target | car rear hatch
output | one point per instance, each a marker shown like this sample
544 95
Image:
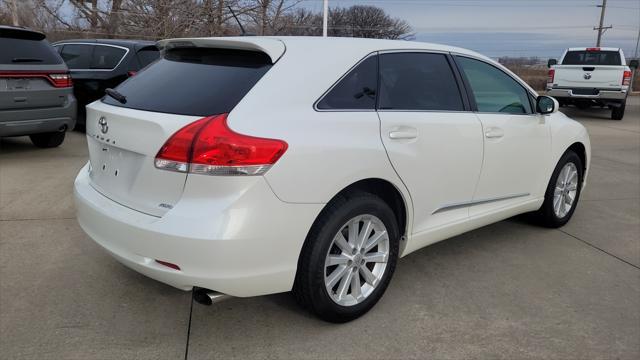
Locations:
188 83
590 69
32 74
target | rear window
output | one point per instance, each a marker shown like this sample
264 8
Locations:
26 51
106 57
148 55
194 81
584 57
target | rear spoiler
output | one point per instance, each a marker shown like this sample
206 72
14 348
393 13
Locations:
274 48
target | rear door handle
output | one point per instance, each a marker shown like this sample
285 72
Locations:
494 133
403 132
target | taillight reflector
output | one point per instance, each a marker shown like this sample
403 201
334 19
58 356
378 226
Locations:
626 78
168 264
208 146
551 75
57 79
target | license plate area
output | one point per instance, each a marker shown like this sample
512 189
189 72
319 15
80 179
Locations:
18 84
113 170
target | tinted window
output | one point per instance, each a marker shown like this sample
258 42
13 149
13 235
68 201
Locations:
106 57
417 81
148 55
592 58
194 81
357 90
494 91
77 56
24 51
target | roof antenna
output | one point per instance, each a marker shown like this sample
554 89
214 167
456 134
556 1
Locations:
238 21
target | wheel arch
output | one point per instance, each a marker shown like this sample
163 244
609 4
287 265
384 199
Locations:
581 151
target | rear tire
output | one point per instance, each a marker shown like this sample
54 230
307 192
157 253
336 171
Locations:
318 286
617 113
565 183
48 140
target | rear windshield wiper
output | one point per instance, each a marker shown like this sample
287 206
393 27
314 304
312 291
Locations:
116 95
23 60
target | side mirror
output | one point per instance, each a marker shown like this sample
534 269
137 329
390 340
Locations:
551 62
633 64
546 105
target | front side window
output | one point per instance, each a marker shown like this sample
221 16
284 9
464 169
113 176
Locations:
494 90
418 81
106 57
356 91
77 56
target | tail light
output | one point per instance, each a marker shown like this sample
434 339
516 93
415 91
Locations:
57 79
626 78
61 80
207 146
593 49
551 75
131 73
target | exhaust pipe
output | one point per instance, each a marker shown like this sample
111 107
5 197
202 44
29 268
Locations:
208 297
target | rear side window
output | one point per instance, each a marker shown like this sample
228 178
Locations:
77 56
356 91
27 51
148 55
194 81
418 81
106 57
592 58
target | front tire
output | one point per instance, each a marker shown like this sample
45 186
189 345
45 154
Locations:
48 140
563 192
348 258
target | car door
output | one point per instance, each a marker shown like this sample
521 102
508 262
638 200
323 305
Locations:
432 139
517 141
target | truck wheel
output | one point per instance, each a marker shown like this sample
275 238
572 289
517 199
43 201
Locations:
48 140
617 113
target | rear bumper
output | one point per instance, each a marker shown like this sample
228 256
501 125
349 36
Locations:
244 244
34 121
602 94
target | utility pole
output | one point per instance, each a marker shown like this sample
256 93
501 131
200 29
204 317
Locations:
14 12
601 29
325 18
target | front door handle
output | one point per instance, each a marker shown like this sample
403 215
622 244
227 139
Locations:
403 132
493 133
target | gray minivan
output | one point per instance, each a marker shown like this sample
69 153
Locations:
36 91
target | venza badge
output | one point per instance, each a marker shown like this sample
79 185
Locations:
104 127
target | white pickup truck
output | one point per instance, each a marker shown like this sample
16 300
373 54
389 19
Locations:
588 77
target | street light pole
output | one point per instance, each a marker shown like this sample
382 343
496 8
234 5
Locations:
325 18
600 28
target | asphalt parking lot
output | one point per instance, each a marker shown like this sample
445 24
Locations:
510 290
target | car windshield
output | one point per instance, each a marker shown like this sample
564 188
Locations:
586 57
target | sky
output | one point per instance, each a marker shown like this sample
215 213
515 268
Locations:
495 28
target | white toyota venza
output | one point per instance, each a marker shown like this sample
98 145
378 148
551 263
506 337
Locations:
257 165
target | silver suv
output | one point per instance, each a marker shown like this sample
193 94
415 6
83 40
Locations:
36 92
